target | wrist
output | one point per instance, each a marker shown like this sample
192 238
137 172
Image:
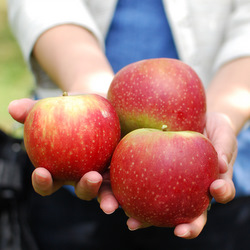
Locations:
95 84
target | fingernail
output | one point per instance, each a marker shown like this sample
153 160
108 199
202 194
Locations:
40 178
11 104
108 212
93 181
224 158
14 102
184 235
220 185
41 175
132 224
133 229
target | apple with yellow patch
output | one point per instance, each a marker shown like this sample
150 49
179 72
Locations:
71 135
153 92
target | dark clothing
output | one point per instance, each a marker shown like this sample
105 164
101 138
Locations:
64 222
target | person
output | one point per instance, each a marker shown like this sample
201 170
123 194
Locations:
65 50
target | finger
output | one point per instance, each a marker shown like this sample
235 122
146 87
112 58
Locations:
87 188
223 190
226 158
223 163
42 182
223 138
106 198
19 109
134 224
193 229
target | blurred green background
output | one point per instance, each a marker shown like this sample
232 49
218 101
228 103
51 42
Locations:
15 79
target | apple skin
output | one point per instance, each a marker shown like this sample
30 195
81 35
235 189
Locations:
71 135
153 92
163 178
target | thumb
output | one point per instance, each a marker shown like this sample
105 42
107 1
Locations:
19 109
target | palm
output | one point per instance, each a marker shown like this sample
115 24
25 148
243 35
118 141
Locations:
219 131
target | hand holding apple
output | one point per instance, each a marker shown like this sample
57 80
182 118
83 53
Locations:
127 85
86 188
220 133
151 94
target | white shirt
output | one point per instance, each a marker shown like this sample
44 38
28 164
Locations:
207 33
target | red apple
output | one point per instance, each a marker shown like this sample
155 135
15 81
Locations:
71 135
163 178
153 92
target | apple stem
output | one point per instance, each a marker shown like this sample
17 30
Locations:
65 93
164 128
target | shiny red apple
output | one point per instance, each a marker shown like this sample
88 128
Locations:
153 92
163 178
71 135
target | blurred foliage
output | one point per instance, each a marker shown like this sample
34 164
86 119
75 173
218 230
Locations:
15 79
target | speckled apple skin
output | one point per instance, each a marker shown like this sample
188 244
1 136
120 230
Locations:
153 92
163 178
71 135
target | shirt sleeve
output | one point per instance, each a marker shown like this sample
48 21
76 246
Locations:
30 18
237 37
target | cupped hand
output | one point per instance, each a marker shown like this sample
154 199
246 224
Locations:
88 186
219 131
